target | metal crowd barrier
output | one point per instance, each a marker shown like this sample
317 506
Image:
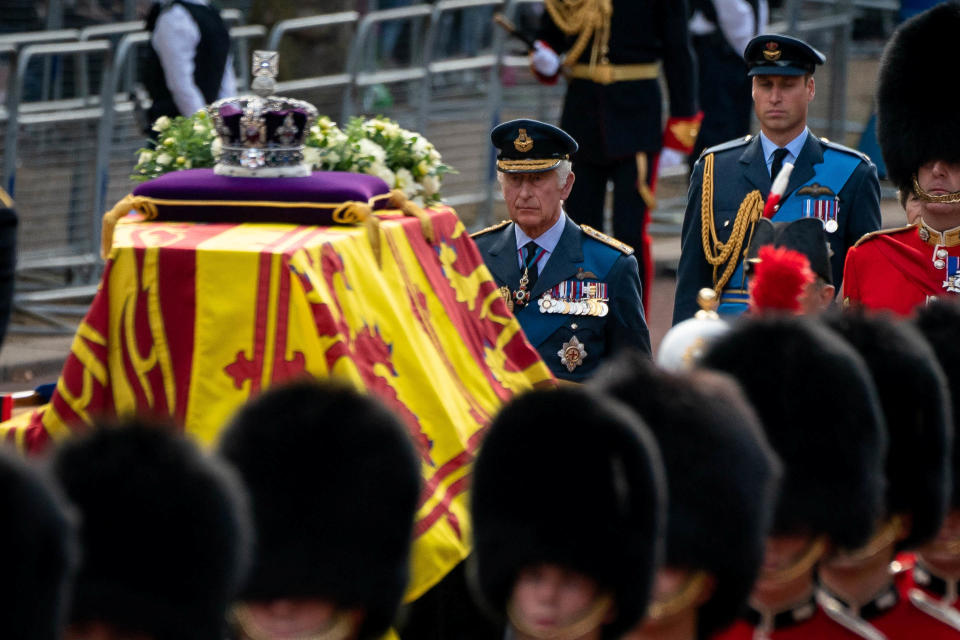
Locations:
453 96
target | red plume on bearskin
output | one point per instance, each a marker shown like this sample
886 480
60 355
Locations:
779 279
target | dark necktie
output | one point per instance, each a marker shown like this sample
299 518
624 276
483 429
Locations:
778 156
531 253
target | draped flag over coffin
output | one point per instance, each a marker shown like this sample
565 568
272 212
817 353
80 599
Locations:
193 319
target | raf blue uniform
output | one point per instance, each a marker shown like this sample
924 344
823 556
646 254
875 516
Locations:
582 257
829 181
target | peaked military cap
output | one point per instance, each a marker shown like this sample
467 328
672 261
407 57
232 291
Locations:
584 491
916 102
531 146
718 463
165 532
334 480
775 55
915 401
805 235
820 413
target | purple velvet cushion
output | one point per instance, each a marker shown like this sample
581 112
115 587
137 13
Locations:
202 185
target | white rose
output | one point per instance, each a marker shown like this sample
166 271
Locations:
434 155
404 178
421 146
162 124
311 157
382 172
145 156
333 157
215 148
431 184
164 159
372 149
199 128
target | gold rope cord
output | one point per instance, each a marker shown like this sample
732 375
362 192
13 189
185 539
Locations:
583 18
725 253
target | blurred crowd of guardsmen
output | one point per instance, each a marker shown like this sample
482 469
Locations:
780 474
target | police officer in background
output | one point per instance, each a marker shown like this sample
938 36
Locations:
188 65
730 182
575 291
719 32
614 50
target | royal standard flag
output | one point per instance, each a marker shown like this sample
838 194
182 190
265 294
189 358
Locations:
193 319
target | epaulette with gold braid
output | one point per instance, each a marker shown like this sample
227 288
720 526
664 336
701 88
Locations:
883 232
605 239
492 227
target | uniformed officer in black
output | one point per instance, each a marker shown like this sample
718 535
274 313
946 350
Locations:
614 51
8 259
830 182
575 291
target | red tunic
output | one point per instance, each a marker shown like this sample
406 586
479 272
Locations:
819 627
895 269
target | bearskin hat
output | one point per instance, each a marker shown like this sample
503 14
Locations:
334 481
165 531
819 410
722 475
572 478
916 102
938 323
916 405
39 538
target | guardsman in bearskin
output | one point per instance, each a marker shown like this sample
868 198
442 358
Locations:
718 464
614 51
575 291
334 482
818 406
857 588
40 537
931 579
919 134
165 534
567 516
730 183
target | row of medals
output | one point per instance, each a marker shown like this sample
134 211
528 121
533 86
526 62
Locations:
582 307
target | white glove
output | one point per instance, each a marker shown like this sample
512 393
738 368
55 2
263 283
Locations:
671 158
544 60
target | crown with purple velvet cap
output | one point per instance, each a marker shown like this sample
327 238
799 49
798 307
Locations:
262 135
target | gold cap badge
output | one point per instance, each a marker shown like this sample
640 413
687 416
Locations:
523 143
772 51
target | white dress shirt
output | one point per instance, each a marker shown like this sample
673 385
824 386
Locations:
175 39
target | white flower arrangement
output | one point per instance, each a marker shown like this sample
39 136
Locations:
403 159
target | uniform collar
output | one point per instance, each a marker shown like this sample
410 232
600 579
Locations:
886 599
548 239
927 580
770 620
948 238
794 146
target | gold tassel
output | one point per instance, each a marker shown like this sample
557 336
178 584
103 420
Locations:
398 200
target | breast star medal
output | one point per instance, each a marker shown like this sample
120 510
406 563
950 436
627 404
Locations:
572 354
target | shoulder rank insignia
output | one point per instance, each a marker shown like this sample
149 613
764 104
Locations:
839 147
883 232
605 239
492 227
